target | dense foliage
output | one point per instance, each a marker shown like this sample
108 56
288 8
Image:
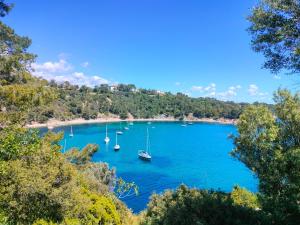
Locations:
19 91
39 183
200 207
269 145
126 100
275 32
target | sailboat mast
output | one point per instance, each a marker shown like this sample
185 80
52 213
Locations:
116 138
147 142
106 131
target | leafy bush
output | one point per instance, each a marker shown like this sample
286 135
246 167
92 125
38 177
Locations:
201 207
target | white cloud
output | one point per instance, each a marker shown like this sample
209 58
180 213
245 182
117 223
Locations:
62 71
177 83
208 90
85 64
100 80
197 88
253 90
211 91
52 67
79 79
231 92
79 75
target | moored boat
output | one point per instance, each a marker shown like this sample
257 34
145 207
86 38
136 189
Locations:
117 146
120 132
106 139
144 154
71 132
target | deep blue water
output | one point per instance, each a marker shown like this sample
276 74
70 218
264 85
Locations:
196 155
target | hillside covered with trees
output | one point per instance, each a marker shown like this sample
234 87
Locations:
126 100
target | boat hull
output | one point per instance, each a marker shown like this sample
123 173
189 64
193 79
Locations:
144 158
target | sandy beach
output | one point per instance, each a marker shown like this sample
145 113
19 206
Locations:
57 123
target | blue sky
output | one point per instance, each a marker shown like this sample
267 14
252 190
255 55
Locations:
200 48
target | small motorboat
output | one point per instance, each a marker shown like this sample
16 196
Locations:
190 123
131 123
126 128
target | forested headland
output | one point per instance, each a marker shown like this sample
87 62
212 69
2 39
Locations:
127 101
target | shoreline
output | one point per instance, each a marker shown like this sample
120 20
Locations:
58 123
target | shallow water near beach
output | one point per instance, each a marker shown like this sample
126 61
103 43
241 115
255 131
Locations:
196 155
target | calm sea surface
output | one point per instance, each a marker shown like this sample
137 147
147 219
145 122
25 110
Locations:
196 155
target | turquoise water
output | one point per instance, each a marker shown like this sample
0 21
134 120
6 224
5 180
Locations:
196 155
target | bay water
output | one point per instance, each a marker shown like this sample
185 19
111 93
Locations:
196 155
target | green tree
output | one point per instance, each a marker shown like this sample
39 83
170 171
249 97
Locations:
200 207
38 184
275 33
4 8
243 197
19 91
269 144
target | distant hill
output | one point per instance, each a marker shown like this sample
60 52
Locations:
128 101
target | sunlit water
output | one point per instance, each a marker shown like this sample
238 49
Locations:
196 155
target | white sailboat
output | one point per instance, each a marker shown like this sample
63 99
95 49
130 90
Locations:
71 132
144 154
119 132
117 146
106 139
